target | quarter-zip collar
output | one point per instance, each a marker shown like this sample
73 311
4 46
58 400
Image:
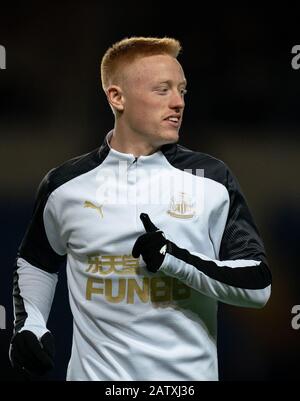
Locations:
152 159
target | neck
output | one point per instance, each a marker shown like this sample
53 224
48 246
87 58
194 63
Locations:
126 141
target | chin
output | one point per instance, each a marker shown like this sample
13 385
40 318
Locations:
169 137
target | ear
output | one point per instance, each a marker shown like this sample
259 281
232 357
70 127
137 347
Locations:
115 97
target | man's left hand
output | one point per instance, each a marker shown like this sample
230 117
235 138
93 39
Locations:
152 245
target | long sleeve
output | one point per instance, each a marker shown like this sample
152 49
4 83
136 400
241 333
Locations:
33 295
240 276
39 258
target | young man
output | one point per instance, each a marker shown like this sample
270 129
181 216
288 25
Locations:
154 235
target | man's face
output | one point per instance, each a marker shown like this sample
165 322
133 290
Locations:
154 89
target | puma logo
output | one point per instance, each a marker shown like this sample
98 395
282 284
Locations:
92 206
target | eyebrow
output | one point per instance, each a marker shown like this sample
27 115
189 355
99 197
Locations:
170 82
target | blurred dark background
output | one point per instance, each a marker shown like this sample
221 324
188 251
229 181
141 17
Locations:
242 107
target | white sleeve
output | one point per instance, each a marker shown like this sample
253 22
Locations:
40 256
36 290
236 282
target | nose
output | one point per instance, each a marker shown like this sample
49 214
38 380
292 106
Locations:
177 100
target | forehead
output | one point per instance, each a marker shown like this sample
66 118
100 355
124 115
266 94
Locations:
154 69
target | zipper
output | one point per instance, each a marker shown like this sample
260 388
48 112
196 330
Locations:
136 194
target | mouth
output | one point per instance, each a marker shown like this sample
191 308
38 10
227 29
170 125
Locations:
173 121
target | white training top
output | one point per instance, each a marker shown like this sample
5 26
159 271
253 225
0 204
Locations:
130 324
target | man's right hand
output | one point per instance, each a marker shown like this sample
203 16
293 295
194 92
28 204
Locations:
27 353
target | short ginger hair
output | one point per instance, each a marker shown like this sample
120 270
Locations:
129 49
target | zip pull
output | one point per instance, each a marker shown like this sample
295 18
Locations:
129 165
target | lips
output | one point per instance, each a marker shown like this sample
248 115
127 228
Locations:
173 120
173 117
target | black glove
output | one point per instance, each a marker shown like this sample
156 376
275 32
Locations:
152 245
29 355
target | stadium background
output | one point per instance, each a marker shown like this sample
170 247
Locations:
242 107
